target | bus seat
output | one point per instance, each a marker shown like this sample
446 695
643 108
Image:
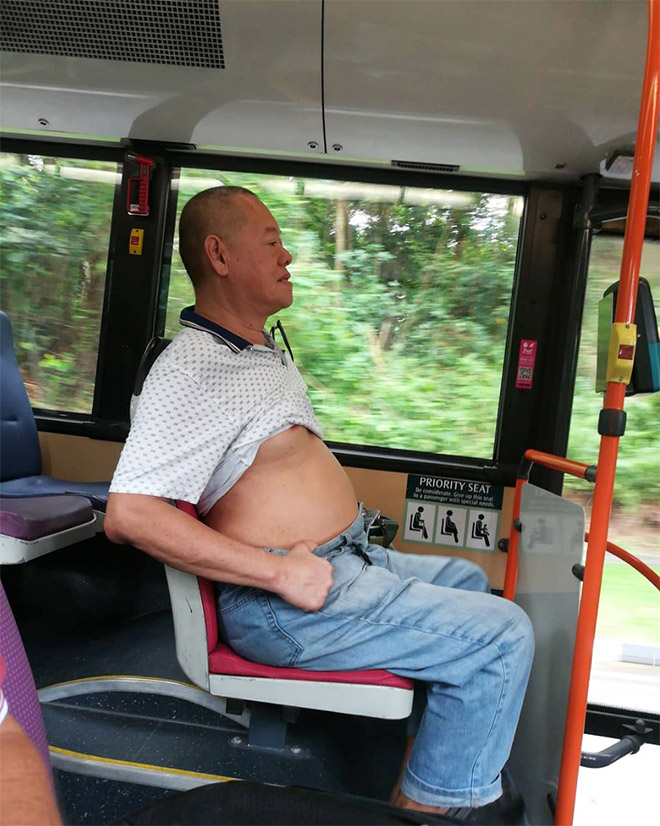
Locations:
213 666
151 352
20 455
33 526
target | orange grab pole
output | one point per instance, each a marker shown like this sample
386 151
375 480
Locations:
609 445
637 564
511 575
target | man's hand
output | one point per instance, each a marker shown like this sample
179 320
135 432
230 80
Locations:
304 579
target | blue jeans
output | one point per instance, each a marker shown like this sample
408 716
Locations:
429 618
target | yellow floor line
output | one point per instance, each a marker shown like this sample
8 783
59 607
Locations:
128 763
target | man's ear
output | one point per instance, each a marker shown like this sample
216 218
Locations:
216 254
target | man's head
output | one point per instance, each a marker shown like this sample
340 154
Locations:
214 211
230 245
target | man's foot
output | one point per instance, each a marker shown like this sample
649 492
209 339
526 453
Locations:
508 810
404 802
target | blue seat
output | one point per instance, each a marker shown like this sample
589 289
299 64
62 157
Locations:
20 455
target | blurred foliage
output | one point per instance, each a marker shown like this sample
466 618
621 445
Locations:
54 238
638 464
400 309
399 320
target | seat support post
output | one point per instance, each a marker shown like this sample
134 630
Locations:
268 726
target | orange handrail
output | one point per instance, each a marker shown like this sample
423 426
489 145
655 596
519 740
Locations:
511 573
559 463
553 462
609 445
633 561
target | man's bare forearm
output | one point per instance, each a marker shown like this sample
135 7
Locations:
171 536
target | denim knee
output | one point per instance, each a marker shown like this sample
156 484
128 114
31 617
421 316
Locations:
519 631
474 577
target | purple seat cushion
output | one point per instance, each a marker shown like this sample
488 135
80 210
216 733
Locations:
37 516
96 492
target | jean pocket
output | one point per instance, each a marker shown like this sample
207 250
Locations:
252 629
230 598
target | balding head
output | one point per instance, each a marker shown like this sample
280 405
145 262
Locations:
218 211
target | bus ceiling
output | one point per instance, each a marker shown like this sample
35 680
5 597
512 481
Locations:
536 91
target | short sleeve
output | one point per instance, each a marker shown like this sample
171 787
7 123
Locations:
177 439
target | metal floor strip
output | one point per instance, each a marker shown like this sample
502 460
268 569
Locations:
144 774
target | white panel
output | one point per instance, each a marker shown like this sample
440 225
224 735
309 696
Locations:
267 97
506 86
551 542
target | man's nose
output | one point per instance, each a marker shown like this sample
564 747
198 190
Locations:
286 257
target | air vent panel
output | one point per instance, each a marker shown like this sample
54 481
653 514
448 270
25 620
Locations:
174 32
427 167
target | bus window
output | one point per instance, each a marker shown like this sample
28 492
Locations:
401 304
55 234
628 633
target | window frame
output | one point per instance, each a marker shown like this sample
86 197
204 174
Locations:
514 432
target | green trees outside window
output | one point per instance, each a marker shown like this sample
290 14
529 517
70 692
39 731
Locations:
401 305
402 299
54 236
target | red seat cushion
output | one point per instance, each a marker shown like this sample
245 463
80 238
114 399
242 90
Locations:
222 660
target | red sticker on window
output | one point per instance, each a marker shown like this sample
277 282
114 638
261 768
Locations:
526 359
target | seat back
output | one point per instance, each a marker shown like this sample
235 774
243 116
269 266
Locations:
206 592
189 626
195 629
194 616
19 442
151 352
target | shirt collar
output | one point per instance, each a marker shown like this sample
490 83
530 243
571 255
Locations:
189 318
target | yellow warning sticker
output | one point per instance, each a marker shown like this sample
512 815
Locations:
135 241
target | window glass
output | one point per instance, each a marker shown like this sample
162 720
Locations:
54 232
401 304
628 633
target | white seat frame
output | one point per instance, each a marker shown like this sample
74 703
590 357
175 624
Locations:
14 551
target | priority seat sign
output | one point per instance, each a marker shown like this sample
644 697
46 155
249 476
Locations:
462 514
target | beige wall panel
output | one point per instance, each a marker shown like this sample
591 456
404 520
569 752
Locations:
90 460
77 458
387 492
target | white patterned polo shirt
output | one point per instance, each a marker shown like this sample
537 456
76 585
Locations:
209 402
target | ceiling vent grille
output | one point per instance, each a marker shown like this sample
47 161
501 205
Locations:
427 167
174 32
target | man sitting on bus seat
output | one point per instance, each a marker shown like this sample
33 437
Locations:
224 422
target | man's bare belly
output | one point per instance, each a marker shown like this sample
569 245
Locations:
294 490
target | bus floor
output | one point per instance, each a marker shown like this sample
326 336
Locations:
334 752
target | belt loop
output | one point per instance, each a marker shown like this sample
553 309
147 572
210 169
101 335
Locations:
365 557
